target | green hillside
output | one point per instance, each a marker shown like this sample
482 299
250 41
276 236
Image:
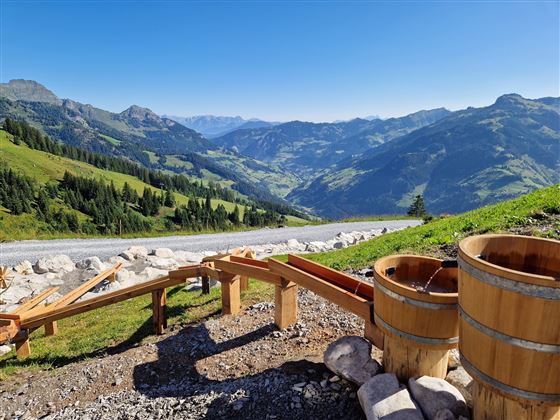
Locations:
46 168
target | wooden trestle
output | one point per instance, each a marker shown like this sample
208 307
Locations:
232 270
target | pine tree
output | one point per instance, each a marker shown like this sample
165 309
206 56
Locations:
417 208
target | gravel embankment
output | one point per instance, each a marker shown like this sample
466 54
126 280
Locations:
13 252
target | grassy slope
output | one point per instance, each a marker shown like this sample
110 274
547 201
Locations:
45 167
127 323
428 238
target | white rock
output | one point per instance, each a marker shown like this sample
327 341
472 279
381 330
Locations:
162 253
164 263
316 246
129 256
123 275
461 380
91 263
435 394
350 357
293 243
24 267
382 398
53 264
116 260
5 349
138 251
150 273
188 256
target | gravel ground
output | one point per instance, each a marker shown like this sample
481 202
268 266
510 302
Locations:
13 252
231 367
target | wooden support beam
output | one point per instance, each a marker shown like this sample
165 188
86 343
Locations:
334 293
51 328
187 272
285 305
23 349
249 270
243 282
373 334
205 285
159 306
231 295
100 301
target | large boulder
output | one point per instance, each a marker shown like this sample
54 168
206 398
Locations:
164 263
435 394
134 252
53 264
350 358
24 268
163 253
382 398
188 256
91 263
5 349
461 380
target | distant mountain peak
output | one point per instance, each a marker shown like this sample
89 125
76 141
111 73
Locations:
27 90
510 99
140 113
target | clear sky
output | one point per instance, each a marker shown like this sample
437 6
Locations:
283 60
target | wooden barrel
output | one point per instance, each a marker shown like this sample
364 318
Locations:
509 306
420 326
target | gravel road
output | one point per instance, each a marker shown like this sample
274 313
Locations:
13 252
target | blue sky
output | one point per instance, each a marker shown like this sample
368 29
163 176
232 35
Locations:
315 61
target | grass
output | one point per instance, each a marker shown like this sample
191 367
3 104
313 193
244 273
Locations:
428 238
118 327
45 167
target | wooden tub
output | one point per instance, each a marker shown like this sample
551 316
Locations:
420 326
509 305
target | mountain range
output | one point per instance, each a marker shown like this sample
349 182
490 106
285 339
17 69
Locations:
458 160
215 126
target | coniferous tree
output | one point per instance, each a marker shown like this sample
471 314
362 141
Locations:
417 208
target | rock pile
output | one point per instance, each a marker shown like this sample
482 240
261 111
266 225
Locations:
140 264
381 395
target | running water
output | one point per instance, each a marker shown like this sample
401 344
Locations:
425 288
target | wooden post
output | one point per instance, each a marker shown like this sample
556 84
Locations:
406 359
373 334
231 295
112 277
244 282
285 305
205 285
51 328
159 303
23 349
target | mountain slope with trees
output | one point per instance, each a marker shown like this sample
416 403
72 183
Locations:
304 147
471 158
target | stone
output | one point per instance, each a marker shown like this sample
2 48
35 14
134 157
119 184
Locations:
128 256
116 259
164 263
5 349
454 359
435 394
350 358
316 246
138 251
382 398
24 268
91 263
188 256
162 253
293 243
338 245
445 414
461 380
53 264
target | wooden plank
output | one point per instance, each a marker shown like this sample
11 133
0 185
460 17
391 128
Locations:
329 291
285 305
26 306
23 349
187 272
10 316
243 282
205 285
231 296
51 328
374 334
357 287
84 288
249 270
100 301
249 261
